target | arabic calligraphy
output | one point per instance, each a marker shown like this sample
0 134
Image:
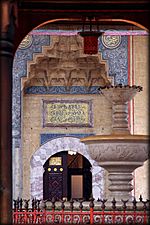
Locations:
68 113
55 161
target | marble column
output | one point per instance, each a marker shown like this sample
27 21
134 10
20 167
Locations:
8 14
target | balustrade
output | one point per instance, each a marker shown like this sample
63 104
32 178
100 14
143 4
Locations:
99 211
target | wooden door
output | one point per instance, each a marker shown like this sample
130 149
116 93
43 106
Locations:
87 183
79 169
55 178
61 175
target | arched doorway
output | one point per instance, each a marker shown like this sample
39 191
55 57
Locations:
56 146
67 175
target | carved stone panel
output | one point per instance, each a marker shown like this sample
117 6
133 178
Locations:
102 152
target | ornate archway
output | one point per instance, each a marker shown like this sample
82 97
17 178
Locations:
57 145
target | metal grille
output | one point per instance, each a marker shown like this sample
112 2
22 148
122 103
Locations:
76 212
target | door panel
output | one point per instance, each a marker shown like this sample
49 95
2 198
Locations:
55 186
77 186
55 177
87 183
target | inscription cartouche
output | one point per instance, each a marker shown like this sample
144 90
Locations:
66 113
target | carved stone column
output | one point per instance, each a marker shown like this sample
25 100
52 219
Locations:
119 153
8 10
119 97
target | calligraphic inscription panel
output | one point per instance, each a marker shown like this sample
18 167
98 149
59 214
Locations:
55 161
67 113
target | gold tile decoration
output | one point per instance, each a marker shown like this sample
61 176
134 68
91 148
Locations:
55 169
61 169
49 169
67 113
55 161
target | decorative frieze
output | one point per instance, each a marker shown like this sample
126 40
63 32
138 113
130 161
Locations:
73 90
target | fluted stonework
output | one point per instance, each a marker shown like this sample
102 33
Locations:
119 96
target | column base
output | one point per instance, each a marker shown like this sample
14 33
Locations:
120 177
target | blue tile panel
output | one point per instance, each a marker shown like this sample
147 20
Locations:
61 90
47 137
20 70
117 59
